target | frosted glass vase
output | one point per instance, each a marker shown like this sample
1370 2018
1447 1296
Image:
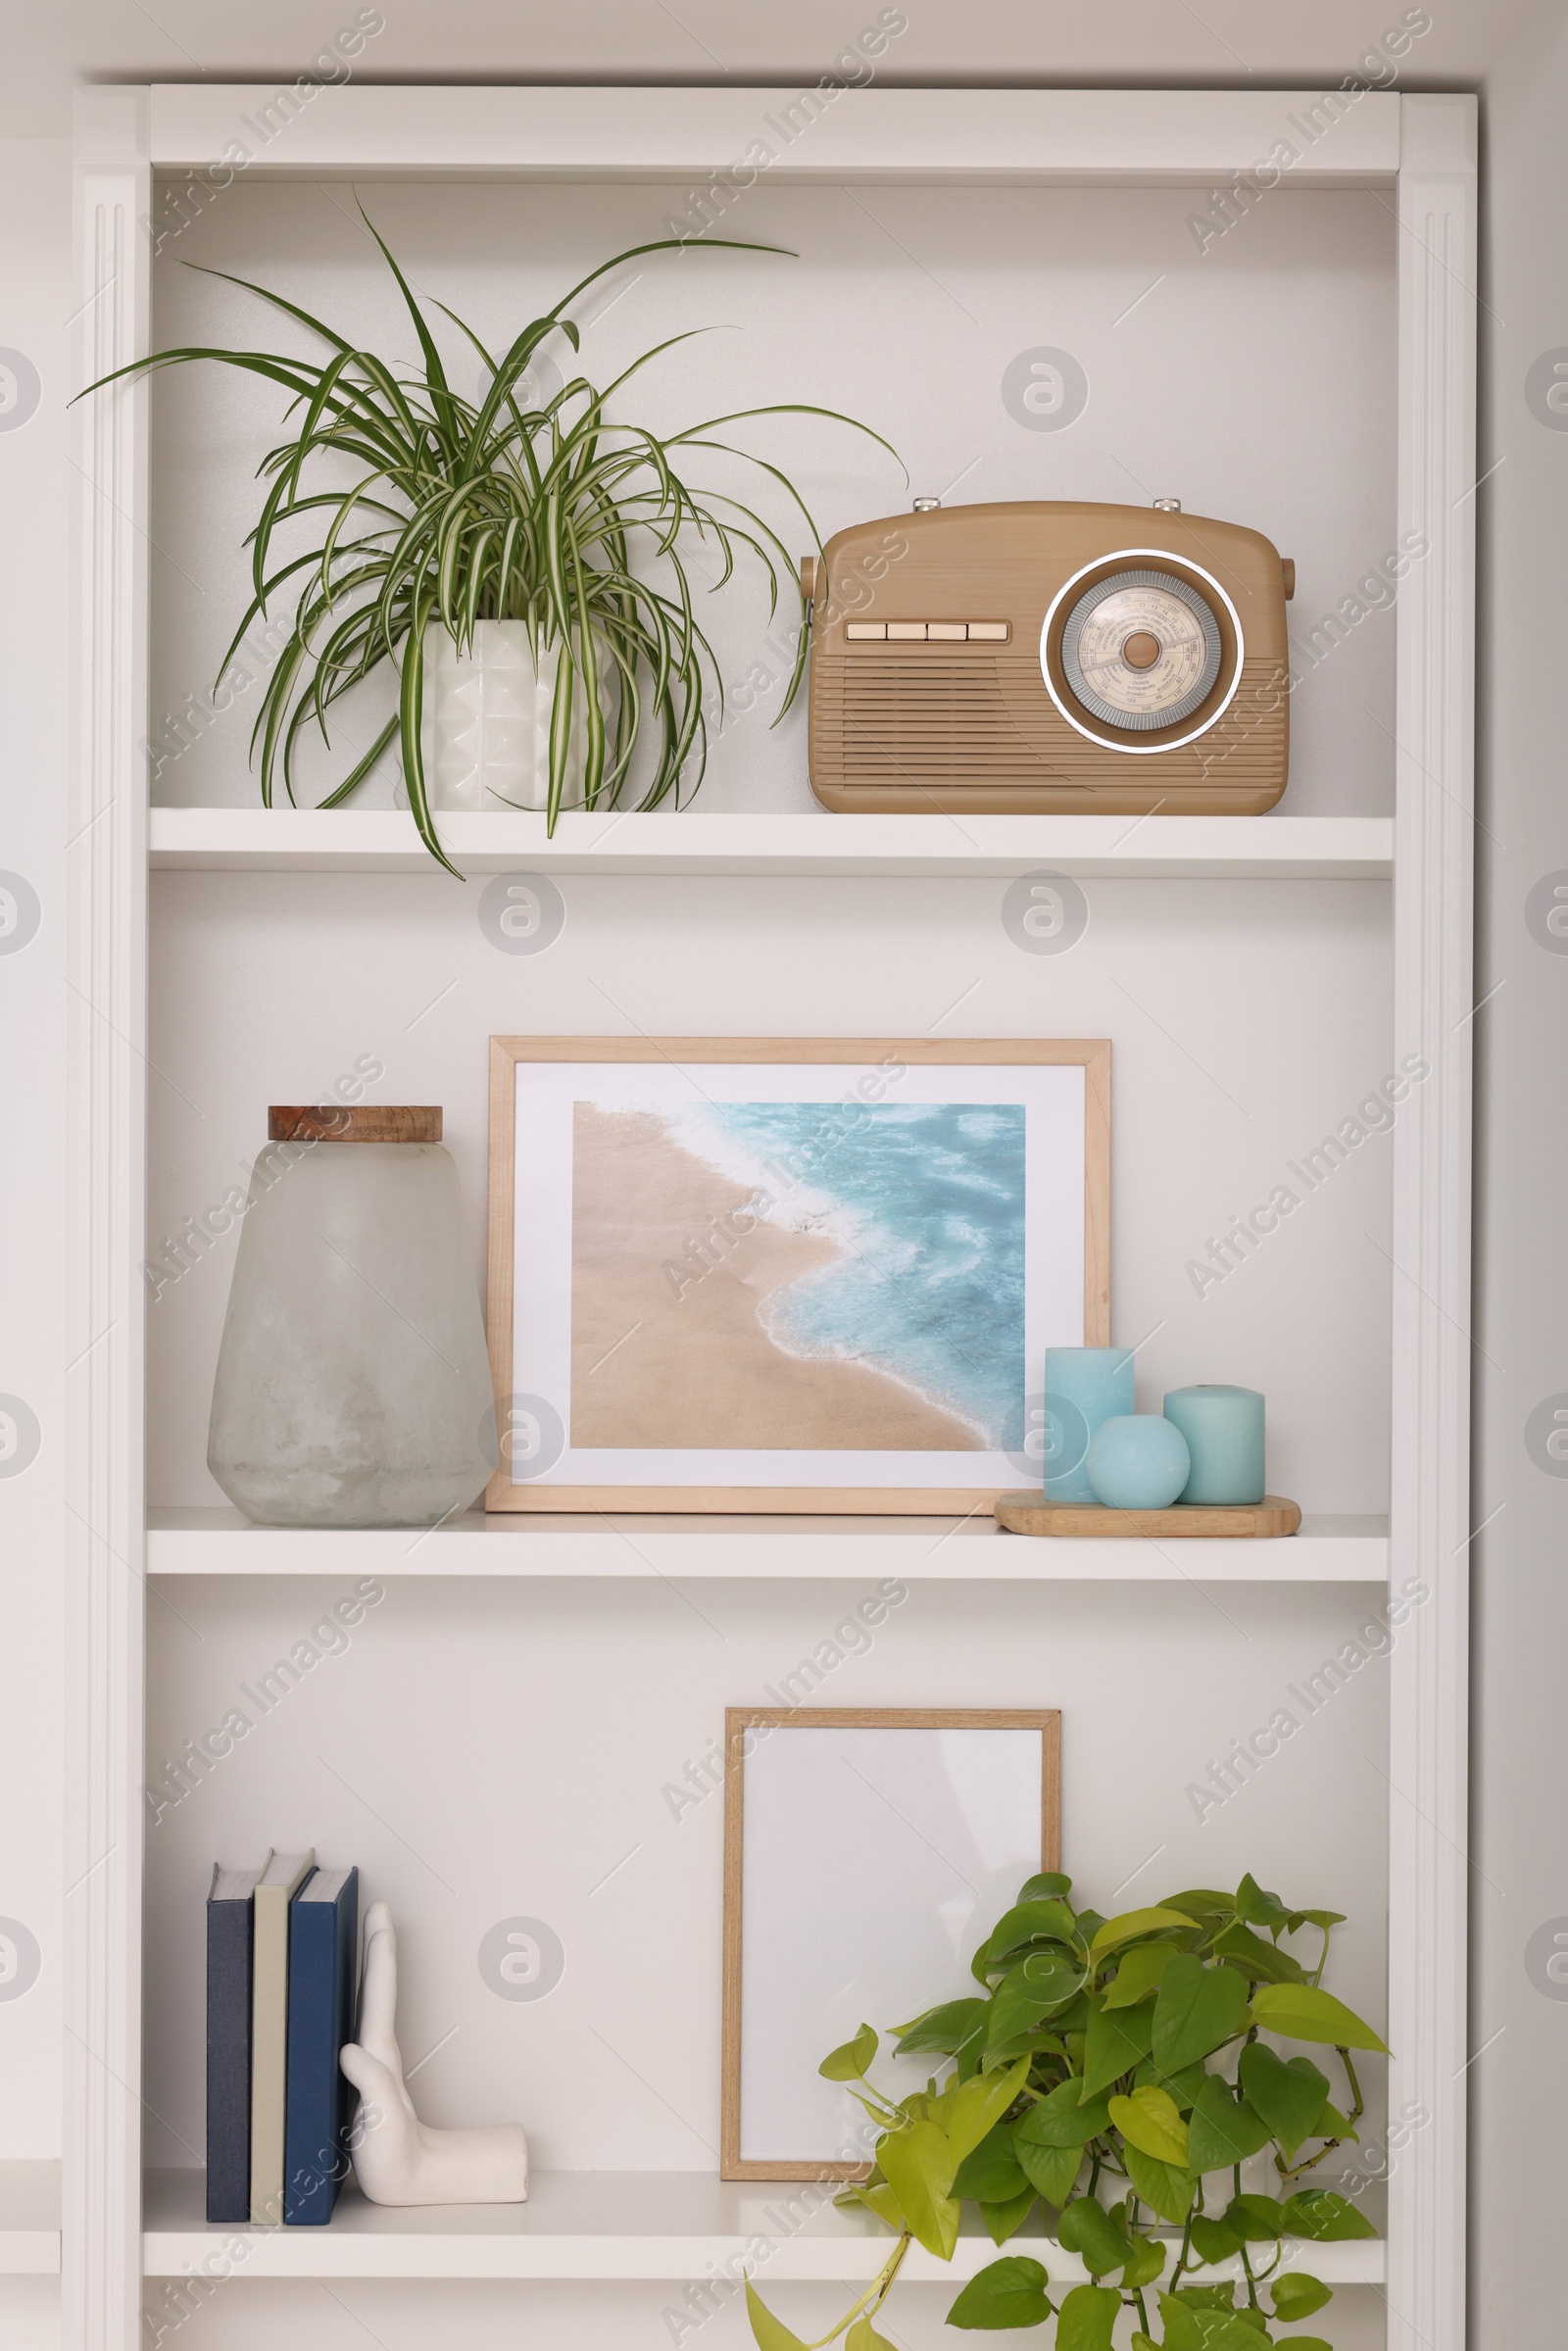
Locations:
353 1385
487 713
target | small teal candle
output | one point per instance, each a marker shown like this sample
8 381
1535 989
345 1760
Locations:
1224 1431
1138 1461
1085 1386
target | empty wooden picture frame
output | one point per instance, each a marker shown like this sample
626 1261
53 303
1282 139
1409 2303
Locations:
866 1854
787 1273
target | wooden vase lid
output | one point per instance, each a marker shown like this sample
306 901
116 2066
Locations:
343 1122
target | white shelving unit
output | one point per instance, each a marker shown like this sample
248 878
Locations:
219 1543
29 2220
616 2225
596 2226
691 842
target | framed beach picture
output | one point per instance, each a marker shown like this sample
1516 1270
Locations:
866 1854
787 1274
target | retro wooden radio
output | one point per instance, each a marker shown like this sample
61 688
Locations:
1055 658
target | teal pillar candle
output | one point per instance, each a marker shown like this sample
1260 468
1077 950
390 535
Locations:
1224 1431
1085 1386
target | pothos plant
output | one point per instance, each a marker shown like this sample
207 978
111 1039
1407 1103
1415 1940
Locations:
1117 2053
557 512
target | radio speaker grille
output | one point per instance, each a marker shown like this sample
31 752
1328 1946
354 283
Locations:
921 717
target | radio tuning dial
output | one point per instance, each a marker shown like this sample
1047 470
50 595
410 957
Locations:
1141 649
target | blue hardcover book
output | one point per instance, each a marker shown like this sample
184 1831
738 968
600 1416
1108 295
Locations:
323 1938
230 1903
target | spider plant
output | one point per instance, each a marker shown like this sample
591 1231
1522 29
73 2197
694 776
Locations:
459 511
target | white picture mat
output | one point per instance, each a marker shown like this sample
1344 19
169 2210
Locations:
1054 1099
873 1861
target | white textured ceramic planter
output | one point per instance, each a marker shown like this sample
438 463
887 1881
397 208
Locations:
486 732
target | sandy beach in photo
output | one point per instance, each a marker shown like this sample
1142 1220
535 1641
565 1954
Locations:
651 1368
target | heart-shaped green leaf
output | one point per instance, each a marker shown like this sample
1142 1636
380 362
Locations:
1030 1922
1166 2186
1011 2292
863 2336
1086 2319
1296 2295
1148 2121
1256 2220
1222 2131
770 2333
1130 1924
1200 1902
1301 2012
1030 1990
1087 2228
1260 1962
877 2197
1183 2087
1004 2219
944 2031
980 2104
1318 2213
849 2062
1051 2172
1289 2096
1117 2039
1198 2009
991 2171
1146 2265
1138 1975
1193 2326
1043 1886
918 2164
1215 2240
1259 1907
1064 2119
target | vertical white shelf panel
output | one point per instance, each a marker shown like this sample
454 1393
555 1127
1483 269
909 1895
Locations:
1423 145
108 975
1433 890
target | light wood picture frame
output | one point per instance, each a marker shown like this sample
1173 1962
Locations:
652 1199
877 1855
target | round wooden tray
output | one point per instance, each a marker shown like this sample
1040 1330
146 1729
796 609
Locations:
1029 1513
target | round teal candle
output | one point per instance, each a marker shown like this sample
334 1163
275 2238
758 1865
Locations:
1224 1431
1138 1462
1085 1386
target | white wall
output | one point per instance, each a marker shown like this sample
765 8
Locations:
1519 1879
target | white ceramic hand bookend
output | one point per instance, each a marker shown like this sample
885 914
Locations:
397 2158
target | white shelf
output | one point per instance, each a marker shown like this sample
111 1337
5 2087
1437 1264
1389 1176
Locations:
609 2225
689 842
1027 138
29 2220
221 1543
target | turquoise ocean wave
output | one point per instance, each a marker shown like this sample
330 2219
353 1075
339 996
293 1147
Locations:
925 1201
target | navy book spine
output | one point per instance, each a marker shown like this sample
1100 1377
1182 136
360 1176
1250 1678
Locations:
322 1946
228 2060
